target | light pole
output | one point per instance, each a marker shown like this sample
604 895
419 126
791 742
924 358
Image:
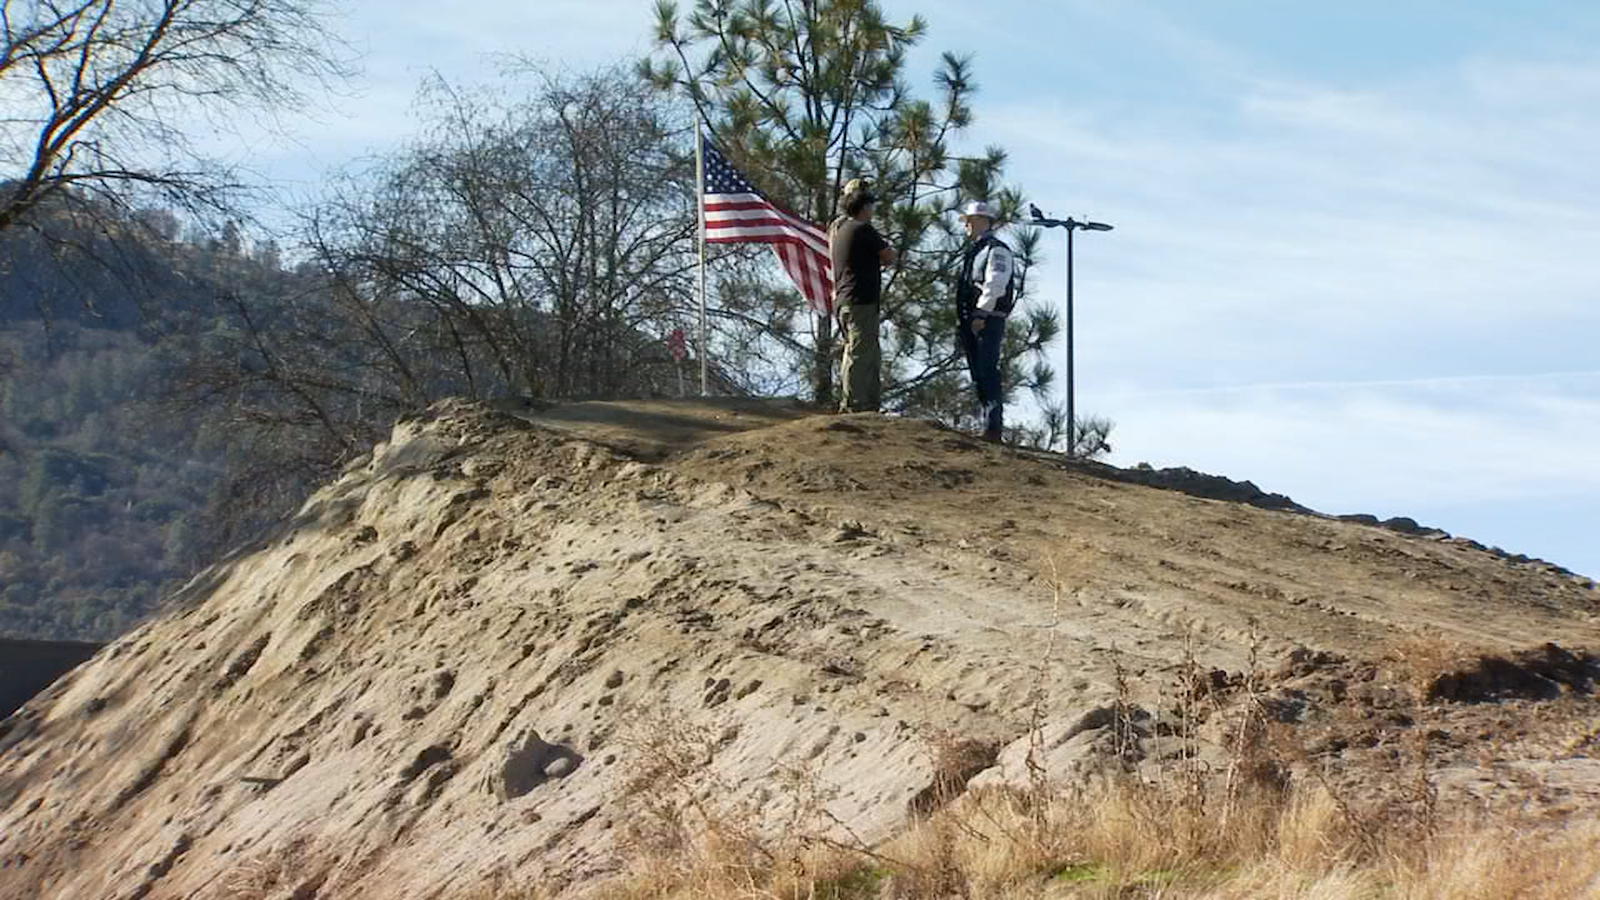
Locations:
1071 225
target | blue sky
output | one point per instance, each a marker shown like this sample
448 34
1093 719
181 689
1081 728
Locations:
1355 256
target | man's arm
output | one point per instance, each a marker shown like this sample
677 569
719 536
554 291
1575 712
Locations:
997 275
881 246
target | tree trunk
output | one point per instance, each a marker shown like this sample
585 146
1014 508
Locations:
822 357
822 361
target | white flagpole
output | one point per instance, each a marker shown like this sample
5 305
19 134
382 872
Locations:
700 190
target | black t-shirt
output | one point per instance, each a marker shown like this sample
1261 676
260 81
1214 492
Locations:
857 275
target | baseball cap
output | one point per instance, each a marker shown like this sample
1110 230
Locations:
858 187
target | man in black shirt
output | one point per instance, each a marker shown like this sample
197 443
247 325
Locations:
859 253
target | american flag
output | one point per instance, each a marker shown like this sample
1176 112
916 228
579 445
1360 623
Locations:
736 212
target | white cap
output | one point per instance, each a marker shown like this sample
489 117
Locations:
980 208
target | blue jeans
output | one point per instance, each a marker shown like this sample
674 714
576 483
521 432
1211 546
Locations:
983 363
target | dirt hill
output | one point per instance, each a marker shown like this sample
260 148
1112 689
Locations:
507 639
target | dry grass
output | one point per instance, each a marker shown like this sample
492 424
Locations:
691 835
1189 831
1124 839
291 870
505 888
1424 660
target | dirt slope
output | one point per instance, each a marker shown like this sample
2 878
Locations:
460 657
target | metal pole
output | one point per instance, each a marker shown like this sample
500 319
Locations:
1070 224
1072 416
700 190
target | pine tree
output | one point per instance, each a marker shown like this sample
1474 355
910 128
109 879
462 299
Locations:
807 94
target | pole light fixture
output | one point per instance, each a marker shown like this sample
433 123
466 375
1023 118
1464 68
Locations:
1070 224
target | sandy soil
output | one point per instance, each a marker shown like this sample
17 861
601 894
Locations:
470 654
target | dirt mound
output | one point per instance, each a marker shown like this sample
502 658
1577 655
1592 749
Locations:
505 640
1542 673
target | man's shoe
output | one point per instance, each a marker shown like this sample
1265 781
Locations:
992 437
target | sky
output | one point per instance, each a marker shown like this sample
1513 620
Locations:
1354 256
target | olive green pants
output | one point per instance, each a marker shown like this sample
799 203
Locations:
862 389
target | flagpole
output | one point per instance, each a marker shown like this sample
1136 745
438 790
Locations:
700 192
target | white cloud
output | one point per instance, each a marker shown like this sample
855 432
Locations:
1307 214
400 43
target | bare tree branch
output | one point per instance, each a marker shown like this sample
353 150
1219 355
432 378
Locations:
92 88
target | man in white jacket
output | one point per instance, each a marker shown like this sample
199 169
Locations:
984 297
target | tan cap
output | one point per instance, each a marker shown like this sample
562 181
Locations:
858 188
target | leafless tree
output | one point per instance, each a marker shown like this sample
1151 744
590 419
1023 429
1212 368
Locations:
550 241
94 94
542 245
